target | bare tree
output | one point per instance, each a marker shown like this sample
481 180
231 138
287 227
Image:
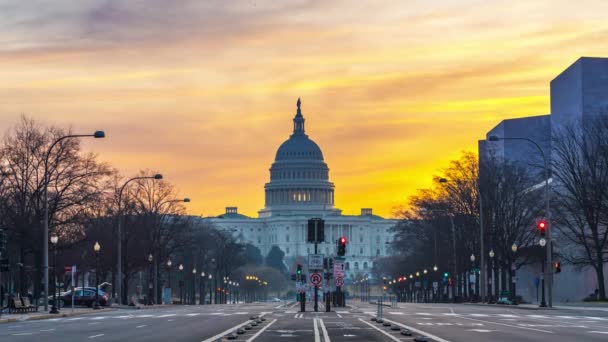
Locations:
76 181
580 168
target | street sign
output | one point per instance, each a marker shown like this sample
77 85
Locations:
435 285
339 281
316 279
315 261
338 269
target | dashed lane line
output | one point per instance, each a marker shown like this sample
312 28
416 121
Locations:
436 338
141 326
325 334
508 325
96 336
381 331
261 331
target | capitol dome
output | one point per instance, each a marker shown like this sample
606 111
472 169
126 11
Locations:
299 177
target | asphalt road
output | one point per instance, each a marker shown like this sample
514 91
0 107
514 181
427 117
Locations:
439 322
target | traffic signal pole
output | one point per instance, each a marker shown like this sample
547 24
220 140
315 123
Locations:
316 307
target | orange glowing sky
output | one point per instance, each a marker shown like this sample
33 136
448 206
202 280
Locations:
205 91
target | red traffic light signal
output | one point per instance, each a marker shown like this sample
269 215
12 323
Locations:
542 227
342 246
558 267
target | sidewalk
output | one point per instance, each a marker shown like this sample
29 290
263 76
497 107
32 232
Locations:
573 306
41 314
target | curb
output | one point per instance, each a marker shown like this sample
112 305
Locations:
509 306
48 316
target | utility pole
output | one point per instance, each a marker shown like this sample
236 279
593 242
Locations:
316 287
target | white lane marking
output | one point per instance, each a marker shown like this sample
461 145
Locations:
95 336
339 315
325 334
22 334
480 330
193 314
382 331
141 326
317 336
395 313
507 325
47 330
438 339
479 315
75 319
342 312
597 318
170 320
168 315
216 337
451 310
599 332
261 331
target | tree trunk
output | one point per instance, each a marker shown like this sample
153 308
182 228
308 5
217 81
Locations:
600 278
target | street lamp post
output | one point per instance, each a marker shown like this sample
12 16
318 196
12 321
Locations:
475 273
150 280
169 263
97 249
491 276
210 288
119 293
97 135
513 278
54 240
193 286
546 269
181 284
201 301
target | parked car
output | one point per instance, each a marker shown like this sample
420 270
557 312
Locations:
82 297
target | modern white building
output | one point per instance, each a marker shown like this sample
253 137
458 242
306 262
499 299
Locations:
299 189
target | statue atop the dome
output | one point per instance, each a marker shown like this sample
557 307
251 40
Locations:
299 102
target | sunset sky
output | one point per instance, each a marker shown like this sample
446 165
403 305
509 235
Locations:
205 91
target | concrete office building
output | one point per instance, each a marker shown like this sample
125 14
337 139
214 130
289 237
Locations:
577 94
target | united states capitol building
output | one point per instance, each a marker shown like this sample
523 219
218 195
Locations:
300 189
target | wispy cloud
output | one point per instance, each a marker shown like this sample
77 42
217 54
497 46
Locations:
205 90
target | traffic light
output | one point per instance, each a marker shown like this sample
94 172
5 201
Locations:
342 246
541 226
558 267
299 270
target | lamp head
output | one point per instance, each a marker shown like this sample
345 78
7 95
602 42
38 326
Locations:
99 134
493 138
96 247
186 200
181 267
169 263
194 270
54 239
158 176
150 257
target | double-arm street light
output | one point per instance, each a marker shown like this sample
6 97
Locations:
119 247
548 274
45 239
443 180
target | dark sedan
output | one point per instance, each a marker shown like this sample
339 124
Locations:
82 297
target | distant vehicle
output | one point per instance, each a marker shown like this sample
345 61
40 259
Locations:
82 297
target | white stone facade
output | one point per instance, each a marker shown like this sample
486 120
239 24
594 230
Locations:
299 189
